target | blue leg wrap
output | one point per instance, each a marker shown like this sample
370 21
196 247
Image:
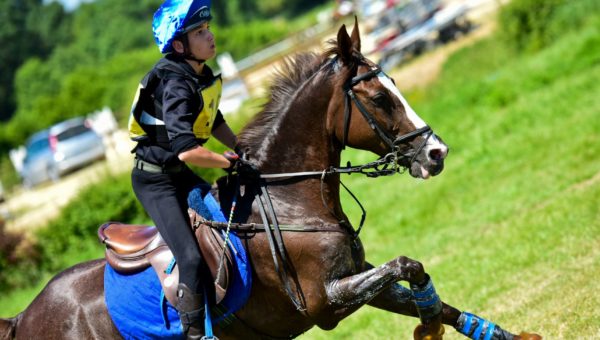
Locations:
477 328
428 302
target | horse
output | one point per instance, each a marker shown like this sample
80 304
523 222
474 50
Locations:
319 104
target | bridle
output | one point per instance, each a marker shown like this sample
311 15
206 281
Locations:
391 141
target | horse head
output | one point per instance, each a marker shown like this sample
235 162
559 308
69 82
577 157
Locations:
373 115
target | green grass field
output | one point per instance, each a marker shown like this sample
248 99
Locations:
511 229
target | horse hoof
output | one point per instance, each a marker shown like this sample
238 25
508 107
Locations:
528 336
429 332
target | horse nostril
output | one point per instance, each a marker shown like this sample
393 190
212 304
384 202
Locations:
437 154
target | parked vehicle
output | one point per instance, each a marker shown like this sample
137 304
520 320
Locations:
417 26
62 148
398 18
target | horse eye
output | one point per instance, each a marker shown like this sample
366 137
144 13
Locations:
380 100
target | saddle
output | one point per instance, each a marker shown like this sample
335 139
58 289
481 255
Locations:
133 248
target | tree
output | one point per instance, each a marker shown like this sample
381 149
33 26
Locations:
27 29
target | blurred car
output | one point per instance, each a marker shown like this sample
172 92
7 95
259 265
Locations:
444 24
62 148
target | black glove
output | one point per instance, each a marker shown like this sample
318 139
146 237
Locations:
247 171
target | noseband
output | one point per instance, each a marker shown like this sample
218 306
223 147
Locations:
391 141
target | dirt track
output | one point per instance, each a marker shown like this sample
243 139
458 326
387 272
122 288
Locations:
26 210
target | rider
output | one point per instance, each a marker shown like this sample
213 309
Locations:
174 113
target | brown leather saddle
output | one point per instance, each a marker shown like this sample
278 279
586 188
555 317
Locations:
132 248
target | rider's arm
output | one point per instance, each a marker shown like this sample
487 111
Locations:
204 158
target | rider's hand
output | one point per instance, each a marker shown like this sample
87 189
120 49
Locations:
232 157
246 170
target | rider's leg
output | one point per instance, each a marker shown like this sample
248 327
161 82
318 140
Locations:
166 203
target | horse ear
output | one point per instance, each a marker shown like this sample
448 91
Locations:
344 43
356 35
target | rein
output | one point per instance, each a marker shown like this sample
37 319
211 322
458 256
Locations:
372 169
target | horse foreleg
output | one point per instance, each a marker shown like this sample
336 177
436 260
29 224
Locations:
359 289
421 300
398 299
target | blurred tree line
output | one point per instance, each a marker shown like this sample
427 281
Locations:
58 64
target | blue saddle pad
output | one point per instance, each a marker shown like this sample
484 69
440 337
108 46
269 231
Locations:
135 302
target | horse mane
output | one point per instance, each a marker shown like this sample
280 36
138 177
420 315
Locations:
287 80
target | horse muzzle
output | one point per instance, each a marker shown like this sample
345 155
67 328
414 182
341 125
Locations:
430 160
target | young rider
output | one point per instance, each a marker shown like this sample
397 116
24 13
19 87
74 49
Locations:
174 114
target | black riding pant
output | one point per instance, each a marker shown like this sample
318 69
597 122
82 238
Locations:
164 197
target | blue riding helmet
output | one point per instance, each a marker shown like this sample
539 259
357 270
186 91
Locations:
176 17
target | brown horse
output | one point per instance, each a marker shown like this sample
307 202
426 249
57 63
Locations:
319 104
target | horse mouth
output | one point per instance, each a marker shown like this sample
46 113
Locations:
427 171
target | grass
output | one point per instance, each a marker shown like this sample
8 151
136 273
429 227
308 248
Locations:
511 229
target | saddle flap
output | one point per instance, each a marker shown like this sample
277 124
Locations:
212 245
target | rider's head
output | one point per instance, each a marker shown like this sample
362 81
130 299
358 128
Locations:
181 27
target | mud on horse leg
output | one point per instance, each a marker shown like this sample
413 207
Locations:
358 289
366 286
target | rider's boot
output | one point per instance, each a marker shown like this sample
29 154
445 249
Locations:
190 306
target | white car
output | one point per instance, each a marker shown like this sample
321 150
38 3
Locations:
62 148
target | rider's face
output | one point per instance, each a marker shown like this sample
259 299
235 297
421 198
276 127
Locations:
202 42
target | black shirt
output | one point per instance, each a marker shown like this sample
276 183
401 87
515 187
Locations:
180 107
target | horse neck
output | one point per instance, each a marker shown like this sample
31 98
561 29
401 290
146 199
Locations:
302 139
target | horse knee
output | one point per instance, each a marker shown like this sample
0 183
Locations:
411 270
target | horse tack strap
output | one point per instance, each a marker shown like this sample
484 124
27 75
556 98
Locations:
347 116
371 120
277 247
258 227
